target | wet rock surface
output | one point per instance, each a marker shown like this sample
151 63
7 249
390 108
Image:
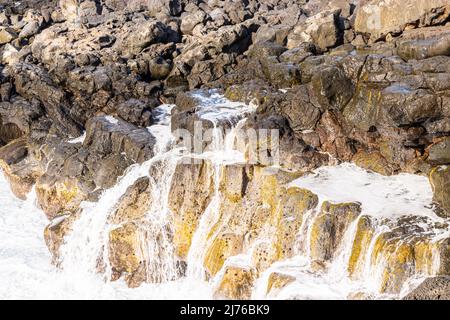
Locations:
343 80
437 288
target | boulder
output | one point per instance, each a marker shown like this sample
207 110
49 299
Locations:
278 281
106 135
69 9
235 284
276 33
59 197
440 183
190 20
55 232
190 193
125 253
378 18
332 88
373 161
77 171
322 29
146 33
395 105
282 75
225 245
9 55
33 82
299 110
17 116
19 166
294 204
299 54
439 152
136 111
422 44
329 228
134 203
7 35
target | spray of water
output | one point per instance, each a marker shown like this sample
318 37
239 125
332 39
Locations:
25 260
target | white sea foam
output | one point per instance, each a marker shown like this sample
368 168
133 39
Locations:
216 108
379 195
80 139
112 120
26 271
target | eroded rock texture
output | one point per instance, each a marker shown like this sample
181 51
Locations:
343 80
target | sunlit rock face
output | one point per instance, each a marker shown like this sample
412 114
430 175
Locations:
261 218
190 193
324 152
380 17
69 10
236 284
329 228
251 230
20 170
439 179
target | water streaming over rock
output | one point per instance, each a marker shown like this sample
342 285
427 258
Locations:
384 239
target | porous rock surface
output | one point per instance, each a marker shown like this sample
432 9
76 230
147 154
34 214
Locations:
344 80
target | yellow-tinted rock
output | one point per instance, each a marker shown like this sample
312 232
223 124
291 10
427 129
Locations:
400 266
190 193
55 232
443 250
224 246
278 281
258 221
125 255
20 186
233 182
269 185
440 183
250 207
263 256
58 197
236 284
329 228
7 35
295 202
377 250
361 243
134 204
318 266
259 203
136 278
373 161
423 257
408 248
396 258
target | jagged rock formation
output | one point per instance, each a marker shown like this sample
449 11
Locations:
341 80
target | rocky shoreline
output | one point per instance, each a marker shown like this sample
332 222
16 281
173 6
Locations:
366 82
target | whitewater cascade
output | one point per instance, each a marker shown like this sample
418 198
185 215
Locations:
385 236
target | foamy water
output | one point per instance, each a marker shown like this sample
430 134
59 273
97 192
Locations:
379 195
26 271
